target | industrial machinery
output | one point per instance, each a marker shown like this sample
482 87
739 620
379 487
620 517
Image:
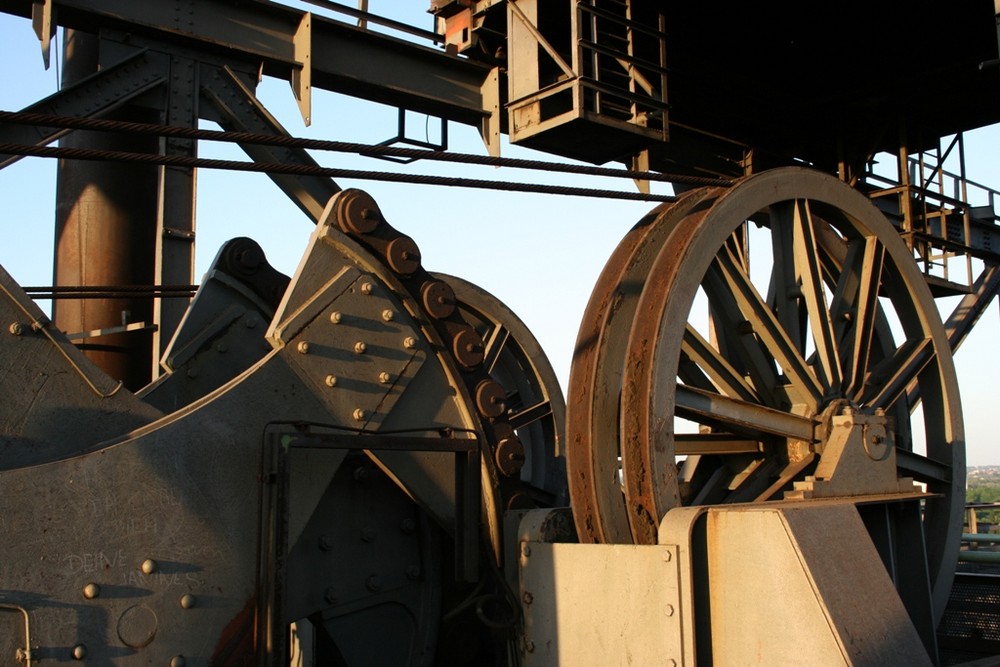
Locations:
760 458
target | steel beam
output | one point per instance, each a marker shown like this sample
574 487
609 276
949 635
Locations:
344 58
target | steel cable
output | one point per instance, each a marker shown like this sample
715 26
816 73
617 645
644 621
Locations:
368 150
312 170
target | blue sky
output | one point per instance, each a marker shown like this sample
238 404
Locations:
539 254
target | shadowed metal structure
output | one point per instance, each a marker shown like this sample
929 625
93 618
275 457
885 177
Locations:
369 463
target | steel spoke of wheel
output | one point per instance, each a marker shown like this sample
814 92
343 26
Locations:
716 367
889 380
810 276
769 330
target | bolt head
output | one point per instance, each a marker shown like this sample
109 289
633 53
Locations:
16 328
367 288
178 661
148 566
387 315
303 347
360 415
373 583
91 591
384 378
360 347
409 342
331 380
188 601
336 317
79 652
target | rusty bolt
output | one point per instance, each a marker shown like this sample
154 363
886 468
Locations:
303 347
491 398
91 591
438 299
357 213
403 255
467 346
509 455
336 317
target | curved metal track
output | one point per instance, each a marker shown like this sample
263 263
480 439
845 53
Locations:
536 408
745 345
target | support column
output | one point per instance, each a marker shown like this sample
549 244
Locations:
105 231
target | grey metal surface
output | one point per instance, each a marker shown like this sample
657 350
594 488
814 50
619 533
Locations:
56 403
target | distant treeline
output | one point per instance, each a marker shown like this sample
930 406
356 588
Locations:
985 492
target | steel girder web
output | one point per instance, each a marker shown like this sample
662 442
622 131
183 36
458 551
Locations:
738 328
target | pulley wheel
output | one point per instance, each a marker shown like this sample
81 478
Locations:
770 306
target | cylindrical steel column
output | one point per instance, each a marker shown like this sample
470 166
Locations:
105 231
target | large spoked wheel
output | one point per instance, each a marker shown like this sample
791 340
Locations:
769 307
536 407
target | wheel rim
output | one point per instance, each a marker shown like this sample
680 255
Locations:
514 358
790 344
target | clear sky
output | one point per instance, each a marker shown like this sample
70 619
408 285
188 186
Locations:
540 254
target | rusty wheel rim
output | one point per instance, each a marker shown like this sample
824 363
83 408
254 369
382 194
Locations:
593 454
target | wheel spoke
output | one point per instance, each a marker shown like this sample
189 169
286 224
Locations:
769 330
888 381
719 370
530 414
858 346
783 294
811 278
493 345
738 343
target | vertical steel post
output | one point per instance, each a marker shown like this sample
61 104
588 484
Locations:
105 231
